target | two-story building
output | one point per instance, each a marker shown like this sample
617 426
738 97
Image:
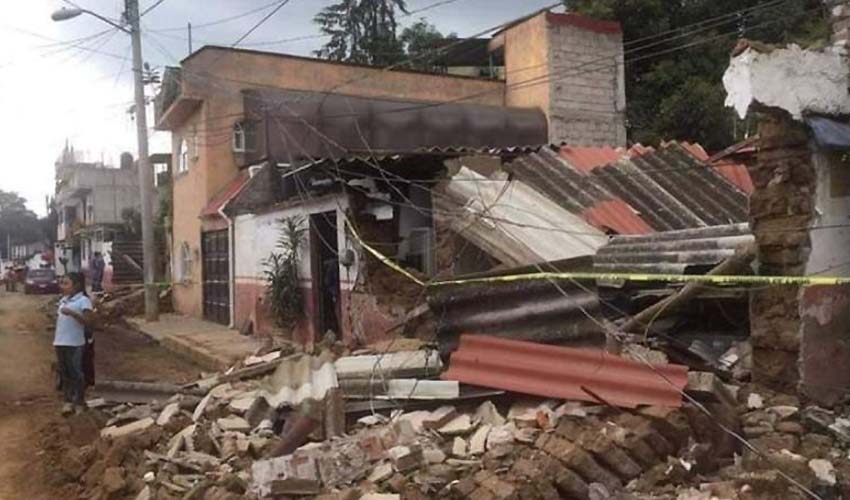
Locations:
91 201
230 109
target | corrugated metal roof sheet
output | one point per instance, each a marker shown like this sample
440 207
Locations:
576 192
526 310
673 251
513 222
586 158
300 378
672 189
564 372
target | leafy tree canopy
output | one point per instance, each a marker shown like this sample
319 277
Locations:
678 94
17 223
362 31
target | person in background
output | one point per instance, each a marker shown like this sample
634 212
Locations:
75 314
97 267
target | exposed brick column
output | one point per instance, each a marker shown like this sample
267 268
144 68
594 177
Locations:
840 23
781 210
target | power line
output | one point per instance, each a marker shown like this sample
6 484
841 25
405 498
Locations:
220 21
280 5
152 7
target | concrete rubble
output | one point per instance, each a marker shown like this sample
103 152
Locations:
276 436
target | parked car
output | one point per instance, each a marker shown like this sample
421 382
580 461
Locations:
41 281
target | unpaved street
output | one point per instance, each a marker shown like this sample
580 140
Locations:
29 406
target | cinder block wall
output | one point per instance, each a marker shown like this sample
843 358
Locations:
571 67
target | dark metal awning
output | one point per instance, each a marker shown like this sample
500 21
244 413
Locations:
301 125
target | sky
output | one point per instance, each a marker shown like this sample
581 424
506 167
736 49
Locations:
71 80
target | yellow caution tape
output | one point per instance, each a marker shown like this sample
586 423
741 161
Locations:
675 278
383 258
581 276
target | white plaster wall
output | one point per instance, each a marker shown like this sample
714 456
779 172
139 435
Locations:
256 238
830 255
793 79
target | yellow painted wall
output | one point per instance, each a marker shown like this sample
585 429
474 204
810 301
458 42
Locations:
527 58
217 77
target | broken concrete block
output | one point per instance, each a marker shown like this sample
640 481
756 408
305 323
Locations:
264 472
371 420
381 473
179 440
754 401
434 455
242 403
417 419
295 487
824 470
234 424
167 414
783 412
221 390
125 430
460 425
439 417
145 494
488 414
459 447
478 441
526 435
199 410
530 414
405 458
268 358
501 436
381 496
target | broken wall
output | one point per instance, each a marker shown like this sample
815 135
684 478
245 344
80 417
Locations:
256 237
781 210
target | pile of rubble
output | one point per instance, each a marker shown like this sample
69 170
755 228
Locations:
379 425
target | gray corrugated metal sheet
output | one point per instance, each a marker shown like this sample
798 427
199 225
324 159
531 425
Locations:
672 189
530 310
513 222
672 251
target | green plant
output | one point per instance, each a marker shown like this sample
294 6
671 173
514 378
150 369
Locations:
281 273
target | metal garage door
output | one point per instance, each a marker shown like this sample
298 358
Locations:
216 276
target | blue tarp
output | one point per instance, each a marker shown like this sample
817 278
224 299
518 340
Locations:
829 133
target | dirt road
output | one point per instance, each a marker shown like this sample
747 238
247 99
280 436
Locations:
28 402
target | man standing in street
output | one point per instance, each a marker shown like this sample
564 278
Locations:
97 267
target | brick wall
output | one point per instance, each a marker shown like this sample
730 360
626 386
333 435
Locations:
784 199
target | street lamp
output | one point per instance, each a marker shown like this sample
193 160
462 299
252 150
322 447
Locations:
145 173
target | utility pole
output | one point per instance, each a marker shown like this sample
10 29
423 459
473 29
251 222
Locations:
145 172
189 28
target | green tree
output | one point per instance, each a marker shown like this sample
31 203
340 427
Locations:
678 94
421 39
17 223
361 31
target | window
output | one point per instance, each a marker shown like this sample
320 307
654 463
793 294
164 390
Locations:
184 269
244 137
183 158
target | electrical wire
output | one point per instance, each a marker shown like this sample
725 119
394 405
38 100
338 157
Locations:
268 16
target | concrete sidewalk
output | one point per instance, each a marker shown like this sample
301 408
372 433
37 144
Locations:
213 346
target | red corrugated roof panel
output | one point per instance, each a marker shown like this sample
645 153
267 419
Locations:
225 195
616 215
564 372
736 173
586 158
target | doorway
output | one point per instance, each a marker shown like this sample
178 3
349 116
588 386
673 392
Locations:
324 262
216 276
